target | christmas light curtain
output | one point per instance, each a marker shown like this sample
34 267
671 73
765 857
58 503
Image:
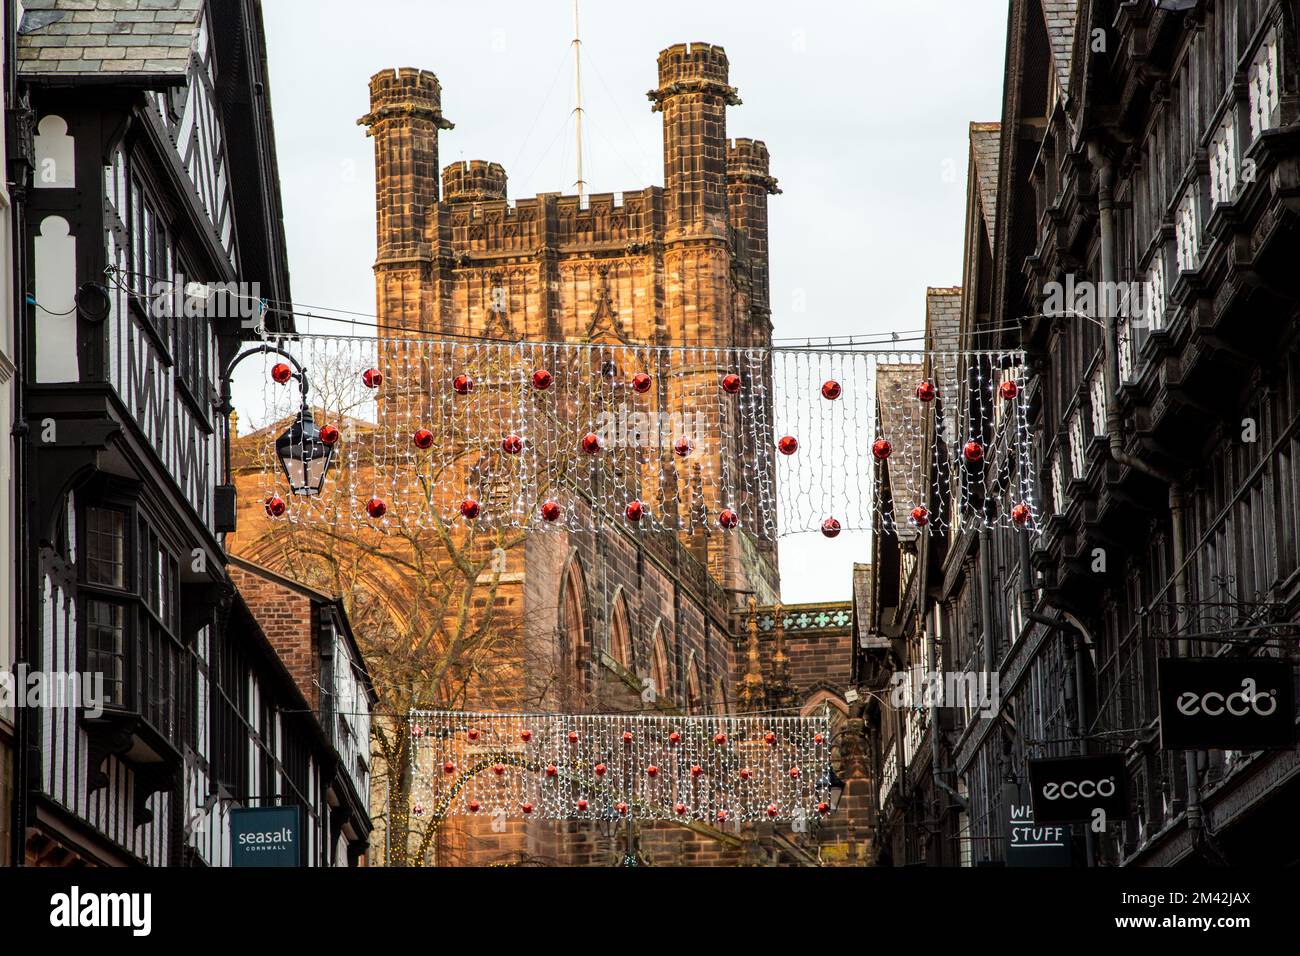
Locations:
716 769
700 440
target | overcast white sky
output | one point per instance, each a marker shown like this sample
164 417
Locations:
863 105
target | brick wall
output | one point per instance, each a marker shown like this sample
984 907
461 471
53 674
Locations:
289 620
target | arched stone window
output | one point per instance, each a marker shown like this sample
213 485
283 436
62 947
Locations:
694 695
573 640
660 668
620 639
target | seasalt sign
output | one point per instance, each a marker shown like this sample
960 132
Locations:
1069 789
265 836
1241 703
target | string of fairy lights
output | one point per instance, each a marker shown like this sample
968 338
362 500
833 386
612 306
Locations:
721 770
573 436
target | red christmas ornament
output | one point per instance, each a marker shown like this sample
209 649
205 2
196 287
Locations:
926 391
372 378
1009 389
329 434
683 447
680 808
696 770
818 738
275 506
794 773
550 510
880 449
772 810
551 770
674 738
600 769
499 769
720 739
920 516
376 508
573 736
788 445
652 771
281 373
722 816
525 735
463 384
473 806
823 808
469 509
973 451
731 383
622 808
728 519
449 767
472 734
591 443
635 511
512 444
770 737
831 390
542 379
1020 514
627 736
745 773
423 438
582 806
830 527
641 383
527 808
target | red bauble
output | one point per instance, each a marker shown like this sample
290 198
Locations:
573 736
551 770
722 816
376 508
973 451
463 384
635 511
788 445
823 808
680 808
527 808
794 773
926 391
525 735
591 443
830 527
600 769
683 447
652 771
745 773
1020 514
281 373
449 767
275 506
423 438
731 383
550 510
720 739
772 810
512 444
499 769
770 737
627 736
818 738
329 435
674 738
881 448
696 770
473 806
582 806
831 390
622 808
372 378
641 383
728 519
472 734
920 516
542 379
469 508
1009 389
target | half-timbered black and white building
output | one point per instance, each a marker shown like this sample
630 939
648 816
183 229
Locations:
152 170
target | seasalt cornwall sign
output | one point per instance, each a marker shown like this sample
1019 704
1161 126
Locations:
1240 703
265 836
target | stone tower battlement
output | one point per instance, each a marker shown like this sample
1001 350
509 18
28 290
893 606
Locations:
407 92
748 159
693 68
473 181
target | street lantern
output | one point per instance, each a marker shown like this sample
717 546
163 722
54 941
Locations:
303 456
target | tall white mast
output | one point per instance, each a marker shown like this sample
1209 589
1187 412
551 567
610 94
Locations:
577 91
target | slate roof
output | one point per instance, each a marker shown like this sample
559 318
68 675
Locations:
1060 17
942 338
985 141
895 400
107 37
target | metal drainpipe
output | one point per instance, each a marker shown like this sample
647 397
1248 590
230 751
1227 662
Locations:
1115 442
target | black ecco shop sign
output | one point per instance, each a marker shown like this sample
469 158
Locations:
1240 703
1069 789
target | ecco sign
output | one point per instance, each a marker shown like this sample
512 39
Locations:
1240 703
1073 788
